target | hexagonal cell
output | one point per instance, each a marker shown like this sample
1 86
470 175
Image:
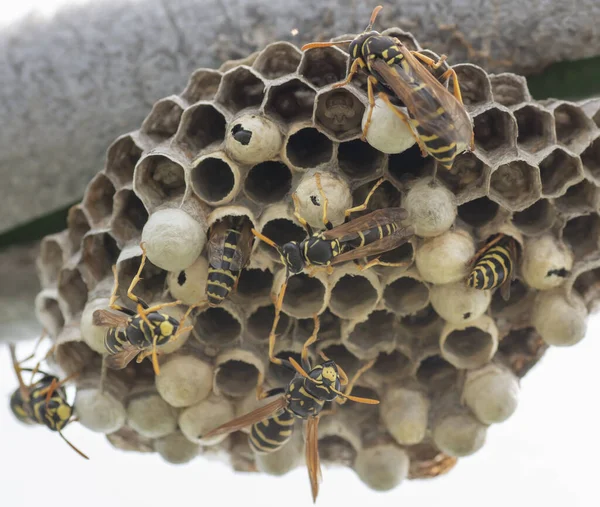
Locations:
468 176
280 375
323 66
370 337
404 253
478 212
281 231
98 199
573 127
408 165
523 348
308 148
339 113
303 292
78 226
122 156
474 84
352 296
254 283
72 290
163 120
268 182
359 160
290 101
391 367
405 296
236 378
434 369
330 328
421 319
260 321
217 326
579 199
201 126
518 292
515 185
509 89
158 179
386 196
49 313
215 179
202 85
558 170
495 131
343 357
277 60
51 258
129 216
407 39
336 450
536 219
99 253
240 88
587 284
582 234
535 128
591 159
151 284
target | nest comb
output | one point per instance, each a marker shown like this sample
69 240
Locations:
238 141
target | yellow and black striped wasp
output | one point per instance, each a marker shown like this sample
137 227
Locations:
494 265
439 122
137 333
43 401
303 398
367 236
229 246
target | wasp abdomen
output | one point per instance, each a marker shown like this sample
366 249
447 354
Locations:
222 278
273 433
492 269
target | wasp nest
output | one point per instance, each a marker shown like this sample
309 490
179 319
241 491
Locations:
237 142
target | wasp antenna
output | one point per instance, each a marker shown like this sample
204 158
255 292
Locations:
324 44
373 16
72 446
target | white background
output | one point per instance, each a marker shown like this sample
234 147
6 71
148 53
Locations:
547 454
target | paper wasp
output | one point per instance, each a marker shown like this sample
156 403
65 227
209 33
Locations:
369 235
303 398
137 333
438 120
493 265
229 249
43 401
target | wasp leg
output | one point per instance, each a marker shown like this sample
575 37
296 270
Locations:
305 361
403 117
114 296
370 82
378 262
430 61
328 225
272 335
137 277
37 366
35 348
350 385
363 206
353 70
298 216
451 74
51 389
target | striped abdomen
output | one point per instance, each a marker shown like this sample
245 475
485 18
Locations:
56 412
369 236
492 269
440 149
115 339
221 275
271 434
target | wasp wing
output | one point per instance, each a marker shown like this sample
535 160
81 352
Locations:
121 359
216 245
249 419
107 318
422 106
312 455
394 240
377 218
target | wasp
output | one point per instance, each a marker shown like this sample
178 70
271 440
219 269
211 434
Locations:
137 333
437 118
228 252
493 265
43 401
303 398
369 235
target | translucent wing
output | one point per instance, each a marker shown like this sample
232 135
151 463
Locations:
312 455
121 359
380 217
249 419
216 245
107 318
423 104
394 240
505 287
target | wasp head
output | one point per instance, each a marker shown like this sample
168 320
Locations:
292 257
